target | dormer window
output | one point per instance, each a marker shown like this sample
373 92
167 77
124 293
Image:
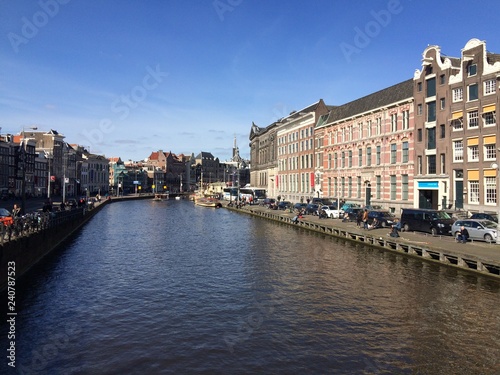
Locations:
472 70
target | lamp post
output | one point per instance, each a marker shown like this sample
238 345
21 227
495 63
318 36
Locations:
496 167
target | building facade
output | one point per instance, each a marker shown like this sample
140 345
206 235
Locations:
365 149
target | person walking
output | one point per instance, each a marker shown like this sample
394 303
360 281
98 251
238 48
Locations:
16 211
365 219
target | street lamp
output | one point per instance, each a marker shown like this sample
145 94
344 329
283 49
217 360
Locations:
496 167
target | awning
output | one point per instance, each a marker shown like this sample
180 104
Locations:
472 141
489 108
473 175
490 139
457 115
490 173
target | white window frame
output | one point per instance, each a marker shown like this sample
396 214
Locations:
490 152
473 153
490 191
458 150
472 119
490 86
458 94
489 116
473 192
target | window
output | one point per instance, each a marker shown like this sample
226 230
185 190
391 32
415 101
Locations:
406 120
378 155
472 119
489 118
473 191
368 156
379 186
394 122
343 159
393 187
490 152
360 157
335 166
393 153
442 131
442 103
419 86
490 86
473 153
431 87
431 138
419 165
349 186
458 94
431 111
329 161
335 187
404 187
490 184
473 92
458 150
442 79
369 128
349 162
457 124
419 109
419 135
379 125
442 160
472 70
405 152
358 193
431 164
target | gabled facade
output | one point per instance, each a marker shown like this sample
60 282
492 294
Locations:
282 155
457 133
365 148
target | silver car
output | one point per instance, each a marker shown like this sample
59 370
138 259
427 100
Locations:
479 229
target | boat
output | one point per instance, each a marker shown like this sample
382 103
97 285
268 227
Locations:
160 197
207 202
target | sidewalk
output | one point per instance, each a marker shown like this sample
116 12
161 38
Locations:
446 246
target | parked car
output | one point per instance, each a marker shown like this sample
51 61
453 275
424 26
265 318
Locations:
284 205
479 229
5 217
71 203
312 209
268 202
352 213
385 218
299 206
347 205
331 211
426 220
482 215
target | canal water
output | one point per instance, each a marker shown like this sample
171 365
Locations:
171 288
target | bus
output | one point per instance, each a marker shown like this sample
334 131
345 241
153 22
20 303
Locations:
230 193
252 194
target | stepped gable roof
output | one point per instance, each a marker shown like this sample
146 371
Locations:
370 102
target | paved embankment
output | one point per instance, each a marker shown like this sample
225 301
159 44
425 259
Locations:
478 257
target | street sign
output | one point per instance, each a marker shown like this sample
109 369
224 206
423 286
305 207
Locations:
136 182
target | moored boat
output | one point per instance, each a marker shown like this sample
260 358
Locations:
160 197
207 202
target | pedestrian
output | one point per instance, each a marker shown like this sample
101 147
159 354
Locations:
365 219
463 235
16 211
359 218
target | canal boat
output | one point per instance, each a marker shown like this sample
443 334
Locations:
207 202
160 197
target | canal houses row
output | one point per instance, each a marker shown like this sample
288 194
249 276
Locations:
428 142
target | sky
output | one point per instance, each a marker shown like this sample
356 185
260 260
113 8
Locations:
127 78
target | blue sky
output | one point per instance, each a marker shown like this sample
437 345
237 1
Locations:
126 78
